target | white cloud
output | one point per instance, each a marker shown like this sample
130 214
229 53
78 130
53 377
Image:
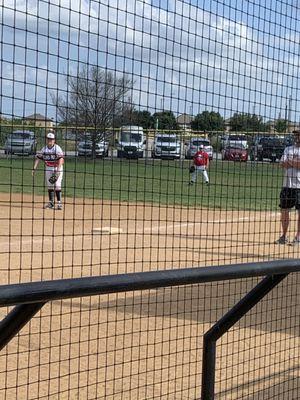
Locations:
182 52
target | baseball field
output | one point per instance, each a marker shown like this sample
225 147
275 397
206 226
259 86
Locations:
234 186
145 344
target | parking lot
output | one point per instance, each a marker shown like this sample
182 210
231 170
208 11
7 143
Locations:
113 154
183 150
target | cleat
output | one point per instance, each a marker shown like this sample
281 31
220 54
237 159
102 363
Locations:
295 242
281 240
49 205
59 206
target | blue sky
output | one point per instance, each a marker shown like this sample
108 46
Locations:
188 56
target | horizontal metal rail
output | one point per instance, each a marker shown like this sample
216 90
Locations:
29 298
37 292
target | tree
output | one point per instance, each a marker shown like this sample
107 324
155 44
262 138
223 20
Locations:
94 98
165 120
247 123
208 121
143 118
125 117
281 125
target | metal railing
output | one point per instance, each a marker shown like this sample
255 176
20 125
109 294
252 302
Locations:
29 298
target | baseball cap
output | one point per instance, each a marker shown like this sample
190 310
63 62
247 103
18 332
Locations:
50 135
201 146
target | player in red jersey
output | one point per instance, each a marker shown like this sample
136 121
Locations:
201 164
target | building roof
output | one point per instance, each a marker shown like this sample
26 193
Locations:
184 119
38 117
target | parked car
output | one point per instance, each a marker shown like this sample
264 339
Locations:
233 139
222 139
269 147
166 146
85 148
194 144
130 142
20 142
235 152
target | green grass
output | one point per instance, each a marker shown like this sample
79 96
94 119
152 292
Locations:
233 185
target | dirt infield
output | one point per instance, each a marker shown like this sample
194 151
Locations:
143 345
45 244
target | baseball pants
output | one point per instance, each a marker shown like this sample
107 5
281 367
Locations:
199 169
57 184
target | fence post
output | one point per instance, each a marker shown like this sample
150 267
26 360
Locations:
15 320
224 324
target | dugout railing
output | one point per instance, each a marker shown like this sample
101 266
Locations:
29 298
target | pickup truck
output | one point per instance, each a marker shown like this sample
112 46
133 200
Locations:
270 148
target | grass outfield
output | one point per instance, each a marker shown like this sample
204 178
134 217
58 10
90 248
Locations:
248 186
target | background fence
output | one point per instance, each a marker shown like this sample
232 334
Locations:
181 74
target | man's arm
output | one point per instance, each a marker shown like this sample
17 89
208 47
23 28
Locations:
285 162
60 162
60 155
36 163
293 164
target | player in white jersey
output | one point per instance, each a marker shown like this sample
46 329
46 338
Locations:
290 192
53 157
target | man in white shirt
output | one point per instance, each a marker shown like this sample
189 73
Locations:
53 157
290 192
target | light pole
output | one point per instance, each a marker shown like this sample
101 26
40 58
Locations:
289 114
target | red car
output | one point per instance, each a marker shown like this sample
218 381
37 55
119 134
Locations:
235 153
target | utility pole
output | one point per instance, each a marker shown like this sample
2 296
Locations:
286 112
286 117
289 114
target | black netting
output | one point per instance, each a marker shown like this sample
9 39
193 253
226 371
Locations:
134 92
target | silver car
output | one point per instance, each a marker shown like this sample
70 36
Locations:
21 143
194 144
85 148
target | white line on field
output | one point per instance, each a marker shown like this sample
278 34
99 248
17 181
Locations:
153 229
186 224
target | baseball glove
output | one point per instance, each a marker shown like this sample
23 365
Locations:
192 169
53 178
